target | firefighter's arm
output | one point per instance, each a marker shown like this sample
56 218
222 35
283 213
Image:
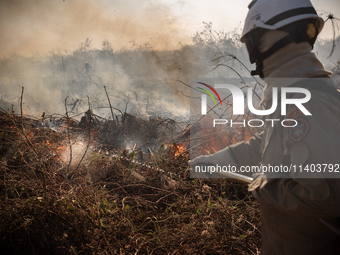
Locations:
248 153
243 153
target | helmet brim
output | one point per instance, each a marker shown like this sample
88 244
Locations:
319 24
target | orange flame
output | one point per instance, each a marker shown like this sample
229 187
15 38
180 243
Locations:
178 149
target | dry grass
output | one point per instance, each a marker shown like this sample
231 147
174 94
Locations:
111 205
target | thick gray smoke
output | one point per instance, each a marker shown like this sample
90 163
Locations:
140 62
41 49
140 79
144 81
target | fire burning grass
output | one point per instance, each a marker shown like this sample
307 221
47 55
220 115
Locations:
111 205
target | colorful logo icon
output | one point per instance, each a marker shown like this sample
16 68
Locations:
209 93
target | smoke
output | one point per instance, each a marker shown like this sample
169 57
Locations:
50 48
141 81
38 26
42 51
140 61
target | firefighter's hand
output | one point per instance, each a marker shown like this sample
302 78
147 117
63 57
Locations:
210 166
221 158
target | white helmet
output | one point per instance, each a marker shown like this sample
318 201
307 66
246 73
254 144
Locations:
297 17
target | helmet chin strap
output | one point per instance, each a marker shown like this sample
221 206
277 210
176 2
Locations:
259 69
262 56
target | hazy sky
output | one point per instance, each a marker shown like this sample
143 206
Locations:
40 26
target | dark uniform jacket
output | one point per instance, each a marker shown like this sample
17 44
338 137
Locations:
294 206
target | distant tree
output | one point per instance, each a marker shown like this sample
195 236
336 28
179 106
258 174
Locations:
85 46
107 47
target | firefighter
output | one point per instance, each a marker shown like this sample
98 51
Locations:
299 212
